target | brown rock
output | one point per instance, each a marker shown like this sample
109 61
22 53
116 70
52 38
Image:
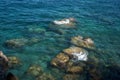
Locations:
75 69
60 60
45 76
72 50
63 58
16 43
13 61
34 70
80 41
71 77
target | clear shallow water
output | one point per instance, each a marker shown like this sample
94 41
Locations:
98 19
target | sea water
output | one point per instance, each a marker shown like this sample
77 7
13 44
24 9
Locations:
97 19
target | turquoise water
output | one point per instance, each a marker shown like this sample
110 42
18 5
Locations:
98 19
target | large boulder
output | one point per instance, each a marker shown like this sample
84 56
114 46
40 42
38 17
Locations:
83 42
60 60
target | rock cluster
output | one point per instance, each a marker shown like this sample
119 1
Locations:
64 60
74 60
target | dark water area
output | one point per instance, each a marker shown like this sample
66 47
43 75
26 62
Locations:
31 19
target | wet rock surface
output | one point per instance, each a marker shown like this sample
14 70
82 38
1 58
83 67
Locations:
21 42
75 60
75 69
76 53
36 30
83 42
34 70
16 43
71 77
60 60
45 76
14 62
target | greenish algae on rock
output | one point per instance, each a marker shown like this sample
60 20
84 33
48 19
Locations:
45 76
80 41
34 70
14 61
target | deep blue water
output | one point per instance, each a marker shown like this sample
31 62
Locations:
98 19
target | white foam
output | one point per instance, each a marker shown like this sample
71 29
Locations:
82 56
66 21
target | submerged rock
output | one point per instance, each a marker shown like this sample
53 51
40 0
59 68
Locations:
37 30
75 69
33 40
34 70
71 77
14 61
95 74
80 41
16 43
45 76
60 60
77 54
